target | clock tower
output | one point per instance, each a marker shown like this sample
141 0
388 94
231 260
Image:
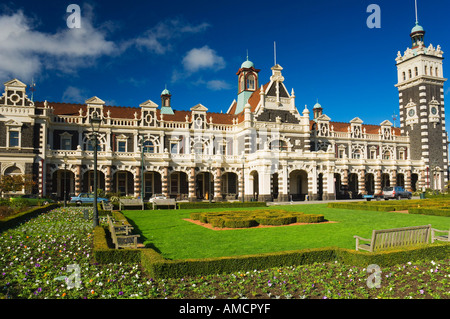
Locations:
422 113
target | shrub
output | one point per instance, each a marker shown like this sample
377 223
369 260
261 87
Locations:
245 219
5 211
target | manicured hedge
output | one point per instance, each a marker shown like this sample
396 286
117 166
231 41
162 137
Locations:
392 205
437 211
160 268
16 219
253 218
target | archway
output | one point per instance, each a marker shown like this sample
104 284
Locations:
152 184
414 182
353 185
204 187
123 183
229 185
385 181
254 185
63 181
370 184
401 180
178 185
88 181
298 185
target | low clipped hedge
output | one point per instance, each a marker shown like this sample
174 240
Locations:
157 267
393 205
437 211
16 219
246 219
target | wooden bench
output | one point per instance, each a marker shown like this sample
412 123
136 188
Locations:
133 202
165 202
443 237
120 235
107 206
397 237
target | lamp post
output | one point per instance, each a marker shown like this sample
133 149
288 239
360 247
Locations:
142 168
243 176
95 125
65 180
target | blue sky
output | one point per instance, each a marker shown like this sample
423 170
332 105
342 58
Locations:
126 52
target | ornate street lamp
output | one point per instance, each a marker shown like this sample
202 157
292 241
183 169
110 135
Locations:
95 125
65 180
142 141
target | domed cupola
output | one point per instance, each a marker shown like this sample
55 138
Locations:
417 35
248 83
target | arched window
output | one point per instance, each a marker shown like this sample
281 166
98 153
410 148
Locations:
251 82
416 71
387 155
199 148
149 147
437 72
426 70
404 76
242 84
357 154
410 73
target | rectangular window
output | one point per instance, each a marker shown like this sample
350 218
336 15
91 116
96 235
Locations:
121 146
66 143
373 154
341 153
174 148
13 139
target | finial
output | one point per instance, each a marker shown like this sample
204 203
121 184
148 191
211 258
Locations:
417 17
275 52
247 54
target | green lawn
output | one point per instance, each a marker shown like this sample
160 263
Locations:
176 238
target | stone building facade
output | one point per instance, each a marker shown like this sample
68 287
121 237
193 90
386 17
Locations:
263 148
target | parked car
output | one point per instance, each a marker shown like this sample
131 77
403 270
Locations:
85 198
33 200
157 196
396 192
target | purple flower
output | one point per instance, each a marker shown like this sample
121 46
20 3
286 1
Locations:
421 291
120 293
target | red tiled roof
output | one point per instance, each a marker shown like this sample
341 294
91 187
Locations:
125 112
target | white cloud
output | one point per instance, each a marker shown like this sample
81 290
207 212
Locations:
158 39
25 51
217 85
74 95
202 58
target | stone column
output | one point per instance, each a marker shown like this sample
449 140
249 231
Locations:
137 182
241 184
408 185
362 182
191 185
108 180
78 179
217 184
165 182
377 177
394 178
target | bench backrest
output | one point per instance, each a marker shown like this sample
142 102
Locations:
169 201
131 201
407 236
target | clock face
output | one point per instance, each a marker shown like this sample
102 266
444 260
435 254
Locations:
411 112
433 110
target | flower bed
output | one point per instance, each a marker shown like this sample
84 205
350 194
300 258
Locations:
36 257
